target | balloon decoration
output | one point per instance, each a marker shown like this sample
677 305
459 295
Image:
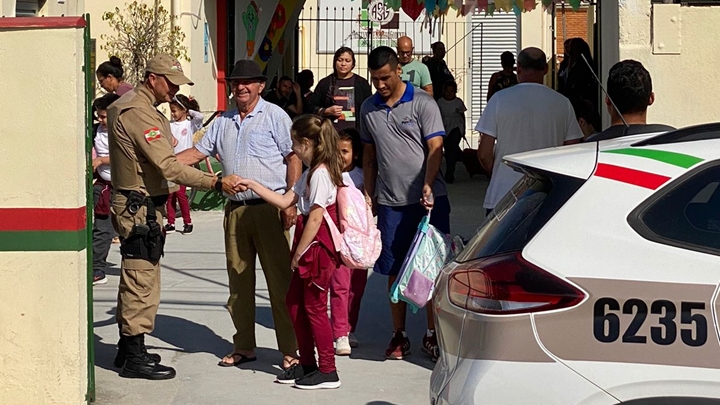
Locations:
438 8
413 8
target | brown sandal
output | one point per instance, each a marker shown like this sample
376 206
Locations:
243 359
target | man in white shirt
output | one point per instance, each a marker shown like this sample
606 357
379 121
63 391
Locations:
521 118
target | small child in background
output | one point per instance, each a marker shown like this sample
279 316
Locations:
186 120
314 259
103 231
453 110
347 286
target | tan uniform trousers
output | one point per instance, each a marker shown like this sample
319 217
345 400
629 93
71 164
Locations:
139 289
250 231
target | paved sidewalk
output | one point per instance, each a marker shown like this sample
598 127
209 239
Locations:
193 331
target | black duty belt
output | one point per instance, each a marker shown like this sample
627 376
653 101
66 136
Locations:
255 201
158 200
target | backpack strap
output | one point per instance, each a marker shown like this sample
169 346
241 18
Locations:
334 231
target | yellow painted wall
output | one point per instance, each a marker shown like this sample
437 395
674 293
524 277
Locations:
43 338
685 83
192 15
536 29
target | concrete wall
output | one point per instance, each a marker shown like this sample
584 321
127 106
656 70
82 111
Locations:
43 338
536 29
678 49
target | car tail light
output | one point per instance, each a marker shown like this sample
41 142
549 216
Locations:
508 284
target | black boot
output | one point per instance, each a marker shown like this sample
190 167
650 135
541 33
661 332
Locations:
139 364
122 352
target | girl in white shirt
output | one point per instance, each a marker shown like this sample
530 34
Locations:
103 231
314 259
347 285
186 120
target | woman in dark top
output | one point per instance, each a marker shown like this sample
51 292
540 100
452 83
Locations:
340 95
110 76
576 79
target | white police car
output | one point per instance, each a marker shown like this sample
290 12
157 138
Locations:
595 281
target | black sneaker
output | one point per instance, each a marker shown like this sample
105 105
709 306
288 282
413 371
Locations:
399 346
318 381
187 229
99 277
169 228
293 373
430 346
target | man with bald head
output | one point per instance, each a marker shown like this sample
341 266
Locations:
521 118
413 71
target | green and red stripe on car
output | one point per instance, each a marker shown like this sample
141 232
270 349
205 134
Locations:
642 178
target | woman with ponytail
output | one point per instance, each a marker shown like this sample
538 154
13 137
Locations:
110 76
314 259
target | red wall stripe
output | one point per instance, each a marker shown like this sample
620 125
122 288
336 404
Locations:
221 52
42 22
42 219
630 176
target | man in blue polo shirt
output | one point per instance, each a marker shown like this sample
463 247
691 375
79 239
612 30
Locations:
403 134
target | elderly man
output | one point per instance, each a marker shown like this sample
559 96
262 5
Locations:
254 142
413 70
541 118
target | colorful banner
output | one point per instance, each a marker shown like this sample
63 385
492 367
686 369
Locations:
437 8
274 40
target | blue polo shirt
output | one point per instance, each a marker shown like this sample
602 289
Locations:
400 134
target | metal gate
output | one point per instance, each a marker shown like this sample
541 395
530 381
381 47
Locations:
474 44
491 37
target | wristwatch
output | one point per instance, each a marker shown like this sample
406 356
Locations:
218 184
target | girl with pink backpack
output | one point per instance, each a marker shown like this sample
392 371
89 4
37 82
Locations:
314 255
347 285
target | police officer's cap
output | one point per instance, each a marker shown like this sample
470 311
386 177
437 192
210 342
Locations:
166 65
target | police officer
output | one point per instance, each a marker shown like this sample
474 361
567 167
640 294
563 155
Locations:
142 161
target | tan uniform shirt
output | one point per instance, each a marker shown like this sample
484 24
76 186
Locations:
141 152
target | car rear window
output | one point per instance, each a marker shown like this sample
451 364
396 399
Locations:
686 214
524 210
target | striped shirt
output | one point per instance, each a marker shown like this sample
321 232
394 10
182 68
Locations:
253 148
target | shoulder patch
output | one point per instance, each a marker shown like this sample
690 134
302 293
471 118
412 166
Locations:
152 134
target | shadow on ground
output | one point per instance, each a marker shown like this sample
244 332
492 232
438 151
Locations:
189 337
375 318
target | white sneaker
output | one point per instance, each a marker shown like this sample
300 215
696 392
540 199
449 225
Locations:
353 340
342 346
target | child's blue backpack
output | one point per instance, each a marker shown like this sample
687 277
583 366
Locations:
430 251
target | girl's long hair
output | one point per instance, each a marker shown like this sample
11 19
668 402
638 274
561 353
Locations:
325 138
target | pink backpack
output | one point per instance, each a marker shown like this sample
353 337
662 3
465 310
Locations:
358 239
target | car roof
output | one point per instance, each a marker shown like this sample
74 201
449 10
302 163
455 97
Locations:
638 152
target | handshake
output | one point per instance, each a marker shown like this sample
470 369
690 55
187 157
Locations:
233 184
